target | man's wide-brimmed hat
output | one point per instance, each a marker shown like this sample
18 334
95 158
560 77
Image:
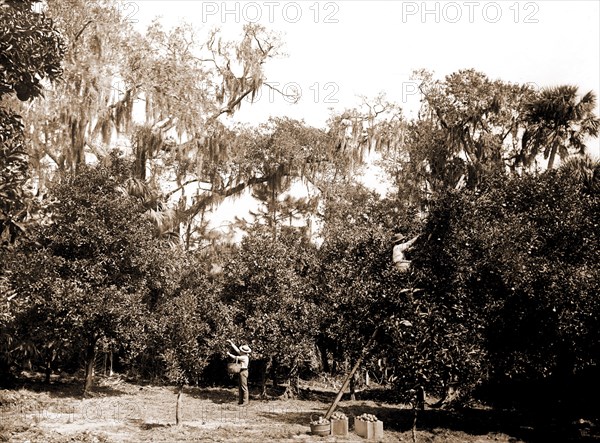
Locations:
245 349
398 238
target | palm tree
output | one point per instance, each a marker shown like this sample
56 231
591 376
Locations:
558 123
585 170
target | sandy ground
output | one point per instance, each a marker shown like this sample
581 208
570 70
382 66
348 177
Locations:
121 412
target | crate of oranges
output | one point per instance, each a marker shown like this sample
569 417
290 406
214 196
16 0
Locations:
339 424
368 426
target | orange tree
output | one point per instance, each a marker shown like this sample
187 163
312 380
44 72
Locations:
268 282
31 50
89 272
184 327
360 290
509 281
444 352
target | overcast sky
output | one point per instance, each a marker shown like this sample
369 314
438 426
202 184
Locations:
339 50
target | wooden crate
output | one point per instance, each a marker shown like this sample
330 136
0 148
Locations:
370 430
339 427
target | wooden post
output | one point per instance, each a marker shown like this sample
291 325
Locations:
178 405
347 379
89 366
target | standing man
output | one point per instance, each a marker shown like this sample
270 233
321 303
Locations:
243 358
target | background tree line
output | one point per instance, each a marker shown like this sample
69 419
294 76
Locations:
114 257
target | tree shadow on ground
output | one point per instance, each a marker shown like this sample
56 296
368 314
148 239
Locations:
291 418
318 395
215 395
327 396
525 427
150 426
68 387
229 395
540 425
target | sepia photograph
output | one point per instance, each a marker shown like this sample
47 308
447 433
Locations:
299 221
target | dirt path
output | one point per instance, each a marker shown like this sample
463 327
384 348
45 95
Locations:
123 412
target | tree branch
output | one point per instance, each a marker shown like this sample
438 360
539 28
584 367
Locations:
169 194
81 31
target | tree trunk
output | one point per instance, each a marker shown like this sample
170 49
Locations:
295 382
353 388
178 405
293 388
48 371
323 352
110 363
274 221
89 366
564 377
551 158
450 396
414 425
274 372
264 376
